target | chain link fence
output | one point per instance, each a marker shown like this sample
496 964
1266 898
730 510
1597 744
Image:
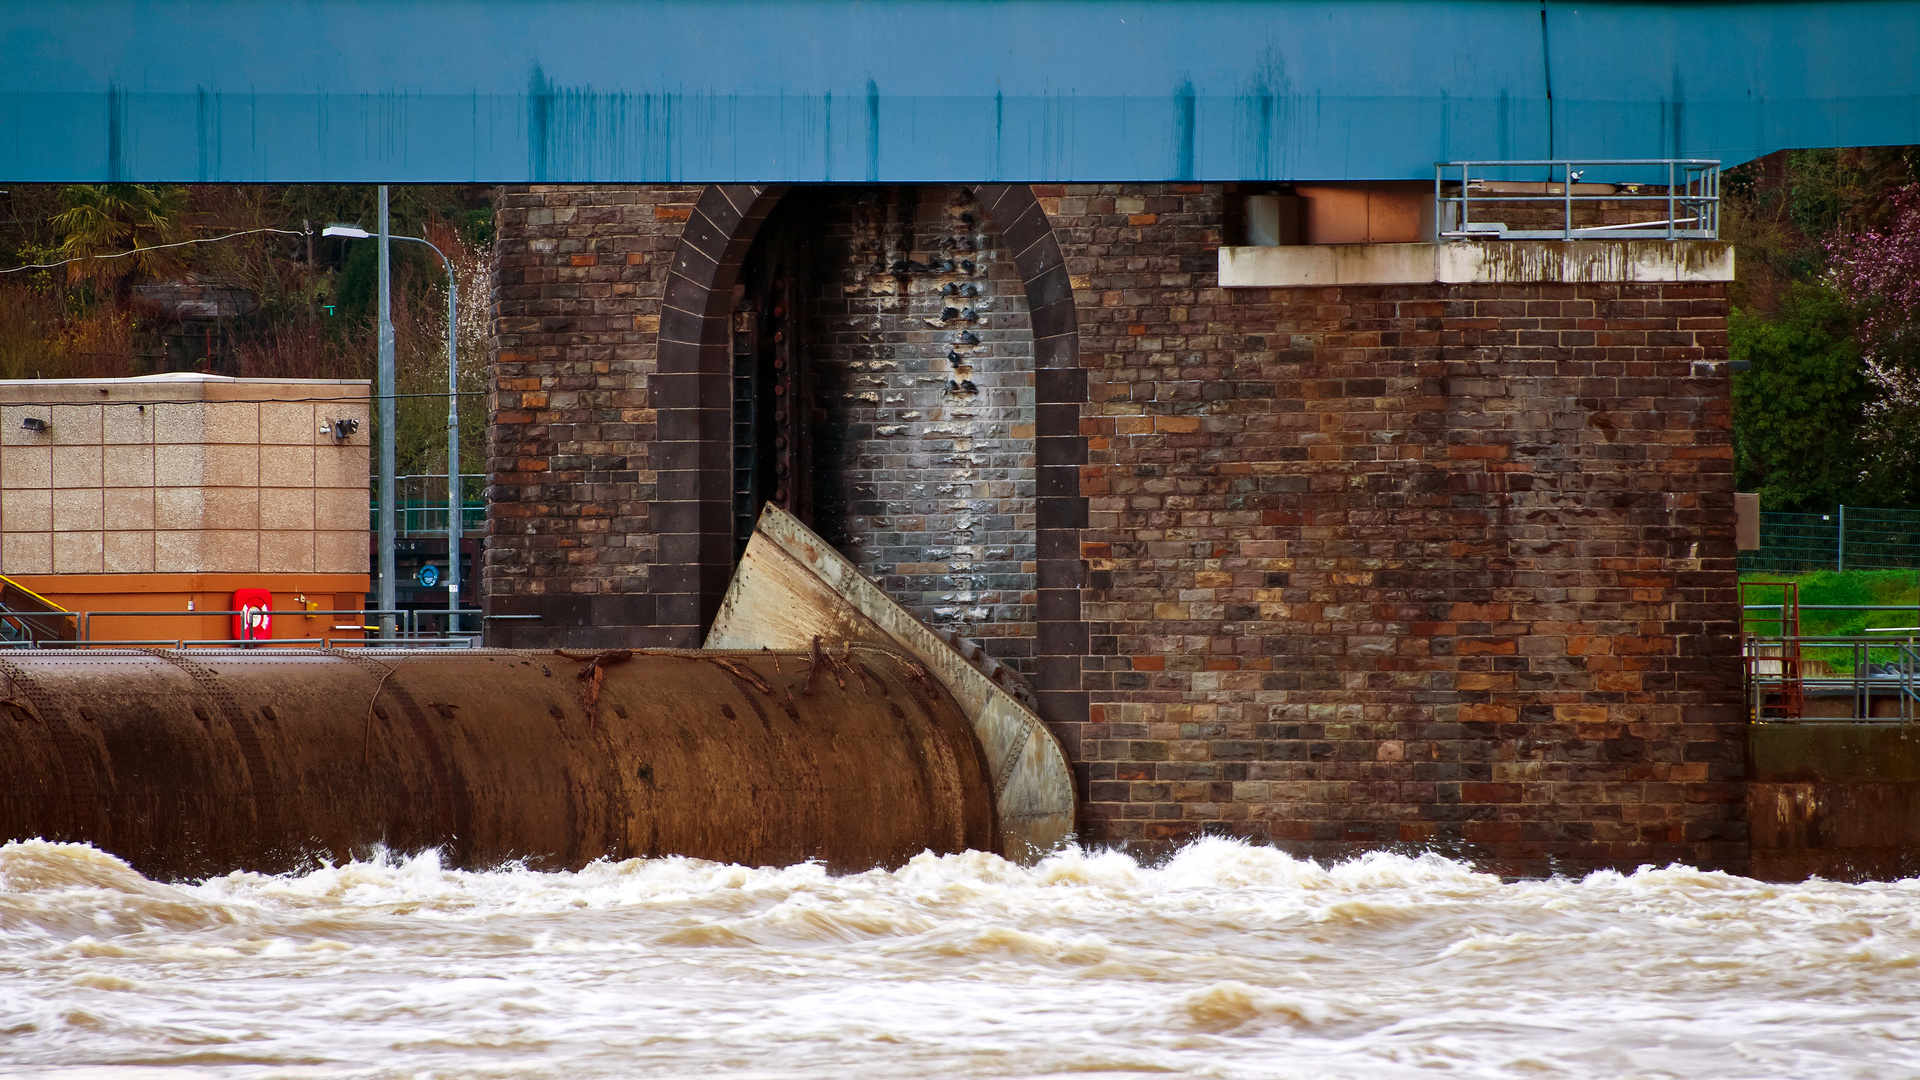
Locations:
1849 538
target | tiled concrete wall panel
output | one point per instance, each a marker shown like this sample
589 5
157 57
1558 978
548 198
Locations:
175 486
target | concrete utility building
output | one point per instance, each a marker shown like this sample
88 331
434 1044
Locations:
1332 546
170 493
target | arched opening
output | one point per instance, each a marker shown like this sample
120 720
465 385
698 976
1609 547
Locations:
694 390
883 392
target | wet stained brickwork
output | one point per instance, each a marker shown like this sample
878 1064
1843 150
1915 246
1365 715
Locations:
1416 566
571 544
921 374
1440 567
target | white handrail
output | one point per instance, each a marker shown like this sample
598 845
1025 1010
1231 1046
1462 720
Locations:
1691 197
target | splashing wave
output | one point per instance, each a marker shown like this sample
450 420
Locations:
1224 960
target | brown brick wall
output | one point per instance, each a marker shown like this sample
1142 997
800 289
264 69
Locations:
577 305
1431 566
1422 566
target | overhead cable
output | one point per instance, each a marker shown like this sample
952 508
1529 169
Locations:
155 247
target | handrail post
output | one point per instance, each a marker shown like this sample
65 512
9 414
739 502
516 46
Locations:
1566 199
1670 211
1862 687
1466 197
1716 200
1439 211
1910 659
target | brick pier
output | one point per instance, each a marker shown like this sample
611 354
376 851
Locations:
1427 566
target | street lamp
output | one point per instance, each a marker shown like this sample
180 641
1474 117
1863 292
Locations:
454 502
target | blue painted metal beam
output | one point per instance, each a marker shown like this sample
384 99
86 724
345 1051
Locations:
859 90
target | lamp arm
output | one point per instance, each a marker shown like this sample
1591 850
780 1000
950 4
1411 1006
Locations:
455 502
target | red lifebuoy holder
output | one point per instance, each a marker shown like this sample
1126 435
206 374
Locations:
252 614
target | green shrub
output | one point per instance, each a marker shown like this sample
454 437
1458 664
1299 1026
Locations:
1797 411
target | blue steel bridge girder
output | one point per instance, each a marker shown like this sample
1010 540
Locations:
663 91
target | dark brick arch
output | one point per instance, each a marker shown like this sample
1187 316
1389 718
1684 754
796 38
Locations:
692 395
1060 510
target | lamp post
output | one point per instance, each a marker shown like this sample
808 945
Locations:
455 506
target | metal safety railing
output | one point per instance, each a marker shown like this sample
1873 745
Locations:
1837 678
25 614
1910 681
420 504
351 627
1870 675
1772 672
1550 199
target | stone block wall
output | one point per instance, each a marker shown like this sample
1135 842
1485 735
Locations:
921 375
933 494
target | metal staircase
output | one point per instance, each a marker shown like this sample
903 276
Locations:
1770 650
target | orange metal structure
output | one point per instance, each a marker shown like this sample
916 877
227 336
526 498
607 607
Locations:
1774 673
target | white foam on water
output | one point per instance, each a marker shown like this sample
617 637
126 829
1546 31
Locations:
1224 961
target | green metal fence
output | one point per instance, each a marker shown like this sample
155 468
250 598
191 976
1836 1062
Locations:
420 505
1849 538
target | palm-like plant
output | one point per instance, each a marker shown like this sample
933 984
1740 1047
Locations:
130 221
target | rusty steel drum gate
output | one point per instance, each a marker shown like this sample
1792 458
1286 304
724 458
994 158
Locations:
822 723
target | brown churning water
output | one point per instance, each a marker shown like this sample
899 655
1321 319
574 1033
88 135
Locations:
1227 961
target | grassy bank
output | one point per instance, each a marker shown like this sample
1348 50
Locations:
1866 588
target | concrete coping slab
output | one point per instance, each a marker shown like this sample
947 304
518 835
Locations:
1478 262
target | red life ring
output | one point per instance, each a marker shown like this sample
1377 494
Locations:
253 614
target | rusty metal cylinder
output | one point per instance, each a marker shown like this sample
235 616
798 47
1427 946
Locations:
188 763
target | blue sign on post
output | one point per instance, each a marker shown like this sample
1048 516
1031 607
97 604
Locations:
429 576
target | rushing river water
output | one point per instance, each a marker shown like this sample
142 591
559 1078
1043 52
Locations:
1225 961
